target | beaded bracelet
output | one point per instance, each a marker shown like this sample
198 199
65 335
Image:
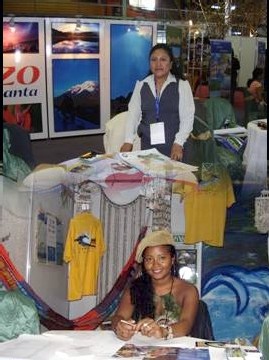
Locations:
169 332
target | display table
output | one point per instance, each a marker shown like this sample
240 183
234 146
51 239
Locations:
255 155
123 176
97 344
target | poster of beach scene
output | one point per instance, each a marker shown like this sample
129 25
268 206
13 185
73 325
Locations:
75 38
22 36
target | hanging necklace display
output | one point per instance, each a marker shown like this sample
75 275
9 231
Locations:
84 193
157 192
262 212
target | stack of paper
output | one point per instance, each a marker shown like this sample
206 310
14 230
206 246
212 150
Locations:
230 131
151 162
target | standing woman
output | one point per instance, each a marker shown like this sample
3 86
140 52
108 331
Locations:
161 109
158 303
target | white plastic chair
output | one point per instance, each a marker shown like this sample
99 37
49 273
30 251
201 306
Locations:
114 134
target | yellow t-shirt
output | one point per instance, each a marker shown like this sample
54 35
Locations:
84 248
205 211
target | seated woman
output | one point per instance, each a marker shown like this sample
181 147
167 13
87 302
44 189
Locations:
157 303
256 107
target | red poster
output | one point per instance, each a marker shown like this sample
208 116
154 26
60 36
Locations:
24 80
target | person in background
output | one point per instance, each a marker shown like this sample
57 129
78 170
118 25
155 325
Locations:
158 303
254 85
161 109
235 67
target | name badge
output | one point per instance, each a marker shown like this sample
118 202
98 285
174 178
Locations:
157 133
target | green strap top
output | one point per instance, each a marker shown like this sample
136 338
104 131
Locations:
167 311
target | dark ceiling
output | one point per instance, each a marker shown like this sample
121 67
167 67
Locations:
248 15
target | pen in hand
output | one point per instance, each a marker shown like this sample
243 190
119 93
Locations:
131 324
128 323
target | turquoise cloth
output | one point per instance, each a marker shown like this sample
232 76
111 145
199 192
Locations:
18 315
219 113
210 115
14 167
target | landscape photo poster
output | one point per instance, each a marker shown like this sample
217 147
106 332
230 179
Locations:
75 38
220 68
76 97
130 44
75 64
24 75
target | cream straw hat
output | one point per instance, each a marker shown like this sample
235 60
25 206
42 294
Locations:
155 238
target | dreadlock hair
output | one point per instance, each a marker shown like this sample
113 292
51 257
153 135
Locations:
142 293
176 69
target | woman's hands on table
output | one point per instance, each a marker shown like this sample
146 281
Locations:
125 329
148 327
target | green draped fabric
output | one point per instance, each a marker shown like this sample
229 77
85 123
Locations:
18 315
210 115
219 111
14 167
264 339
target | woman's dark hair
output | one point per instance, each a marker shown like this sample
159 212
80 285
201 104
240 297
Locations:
141 290
249 82
257 72
176 68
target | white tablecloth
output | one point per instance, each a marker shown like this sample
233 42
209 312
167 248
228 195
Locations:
85 345
124 180
255 155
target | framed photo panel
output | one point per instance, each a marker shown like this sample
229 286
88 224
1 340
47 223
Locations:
130 44
76 81
24 75
76 98
75 38
220 68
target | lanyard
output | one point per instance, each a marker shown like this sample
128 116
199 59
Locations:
157 104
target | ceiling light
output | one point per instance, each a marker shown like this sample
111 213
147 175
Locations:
78 26
143 4
12 25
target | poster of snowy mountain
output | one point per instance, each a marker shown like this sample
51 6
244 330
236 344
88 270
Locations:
76 96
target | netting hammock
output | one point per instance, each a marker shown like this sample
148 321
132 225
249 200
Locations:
12 279
262 212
